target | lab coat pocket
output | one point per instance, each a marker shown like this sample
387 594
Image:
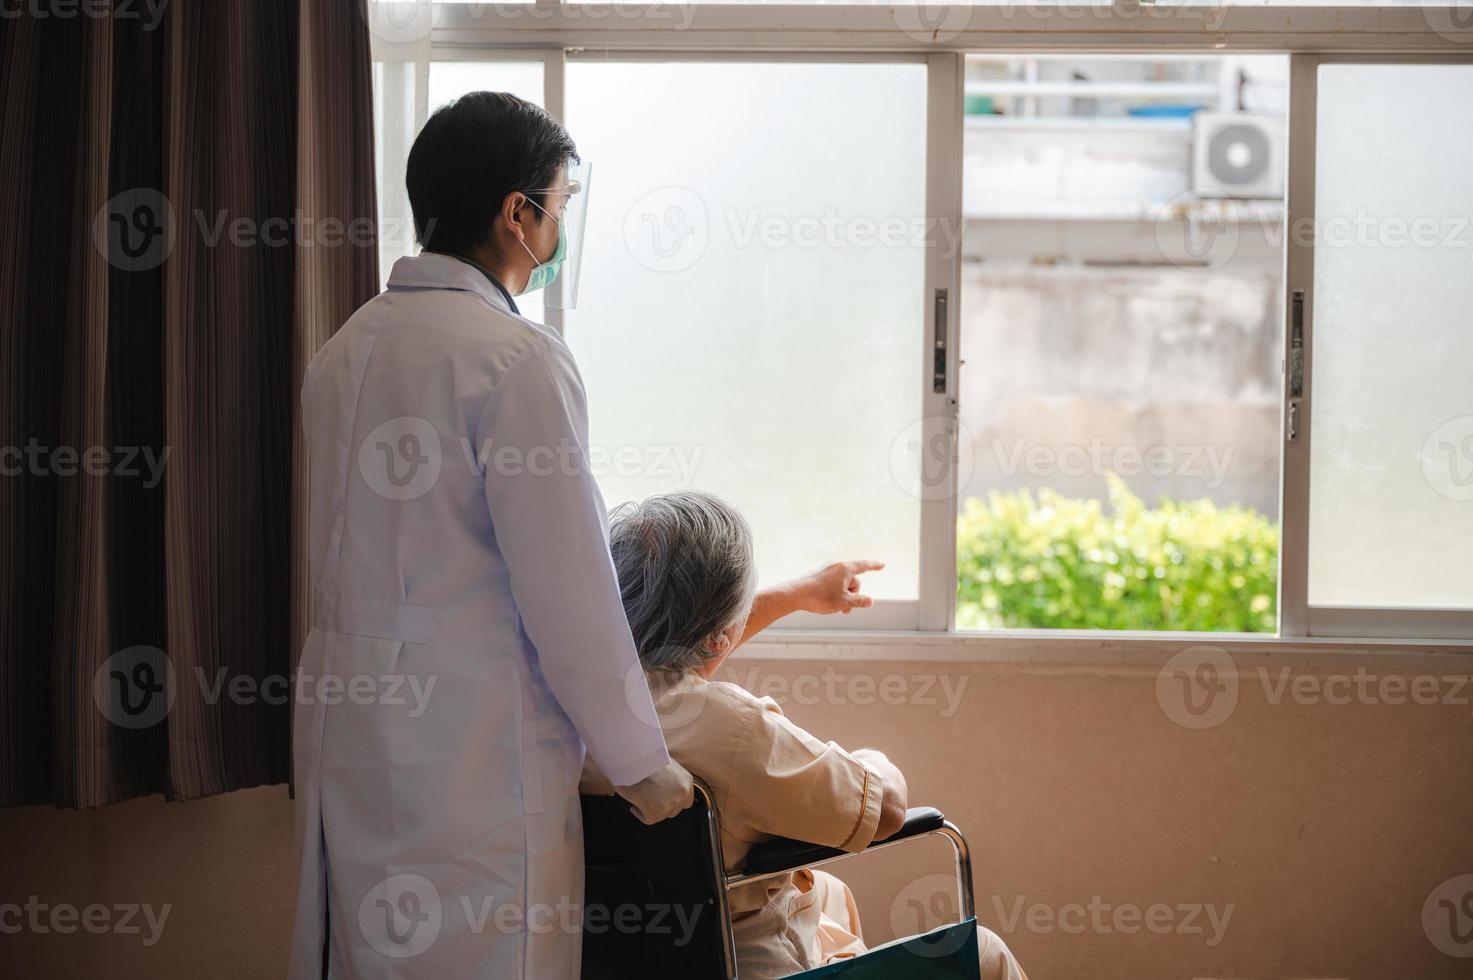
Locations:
551 767
365 700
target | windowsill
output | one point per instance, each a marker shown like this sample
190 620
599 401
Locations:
1073 646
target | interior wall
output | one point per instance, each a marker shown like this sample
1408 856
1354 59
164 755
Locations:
1317 830
1105 834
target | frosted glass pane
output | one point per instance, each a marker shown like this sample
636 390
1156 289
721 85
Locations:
751 313
449 80
1391 491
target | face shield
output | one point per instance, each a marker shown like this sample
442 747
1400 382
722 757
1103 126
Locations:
567 204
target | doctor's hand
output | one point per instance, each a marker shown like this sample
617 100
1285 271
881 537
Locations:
834 588
660 796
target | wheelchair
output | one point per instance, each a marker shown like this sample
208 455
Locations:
638 876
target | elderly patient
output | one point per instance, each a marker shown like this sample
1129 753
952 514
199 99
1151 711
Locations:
689 587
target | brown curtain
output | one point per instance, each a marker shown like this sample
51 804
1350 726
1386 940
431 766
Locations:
186 216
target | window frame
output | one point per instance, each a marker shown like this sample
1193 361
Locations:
1297 617
942 36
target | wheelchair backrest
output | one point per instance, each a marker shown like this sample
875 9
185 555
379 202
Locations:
653 904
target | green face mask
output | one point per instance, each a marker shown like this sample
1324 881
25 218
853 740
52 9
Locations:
543 273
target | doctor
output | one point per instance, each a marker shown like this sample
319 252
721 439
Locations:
467 637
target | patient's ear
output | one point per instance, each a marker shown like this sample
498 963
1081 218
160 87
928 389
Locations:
719 646
721 643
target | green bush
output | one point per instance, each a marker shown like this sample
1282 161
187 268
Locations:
1061 563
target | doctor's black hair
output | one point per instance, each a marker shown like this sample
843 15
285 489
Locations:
471 154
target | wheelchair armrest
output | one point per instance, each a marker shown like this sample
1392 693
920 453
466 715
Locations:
786 855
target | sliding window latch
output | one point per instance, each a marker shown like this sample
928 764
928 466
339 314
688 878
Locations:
938 363
1296 363
1296 344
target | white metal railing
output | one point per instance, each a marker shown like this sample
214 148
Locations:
1085 89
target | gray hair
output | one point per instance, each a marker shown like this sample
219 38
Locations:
685 568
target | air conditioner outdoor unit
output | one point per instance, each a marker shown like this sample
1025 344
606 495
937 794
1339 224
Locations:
1237 155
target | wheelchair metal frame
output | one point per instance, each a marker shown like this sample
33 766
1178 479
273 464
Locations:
947 829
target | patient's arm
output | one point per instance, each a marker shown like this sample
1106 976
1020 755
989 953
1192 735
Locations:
895 797
833 588
787 782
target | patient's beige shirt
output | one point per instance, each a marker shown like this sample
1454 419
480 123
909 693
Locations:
770 779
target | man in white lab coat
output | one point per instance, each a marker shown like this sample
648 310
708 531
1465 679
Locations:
467 638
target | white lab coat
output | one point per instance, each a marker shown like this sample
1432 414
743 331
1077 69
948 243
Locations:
467 618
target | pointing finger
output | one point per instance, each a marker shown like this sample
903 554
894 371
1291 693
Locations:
863 565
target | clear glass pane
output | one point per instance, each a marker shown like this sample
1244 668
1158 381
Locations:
751 313
1391 481
1121 333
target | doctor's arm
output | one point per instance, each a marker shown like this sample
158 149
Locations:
551 527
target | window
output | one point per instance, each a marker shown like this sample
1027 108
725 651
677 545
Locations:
1120 334
979 314
1391 427
752 303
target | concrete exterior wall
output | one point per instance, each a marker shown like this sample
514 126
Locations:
1168 376
1112 322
